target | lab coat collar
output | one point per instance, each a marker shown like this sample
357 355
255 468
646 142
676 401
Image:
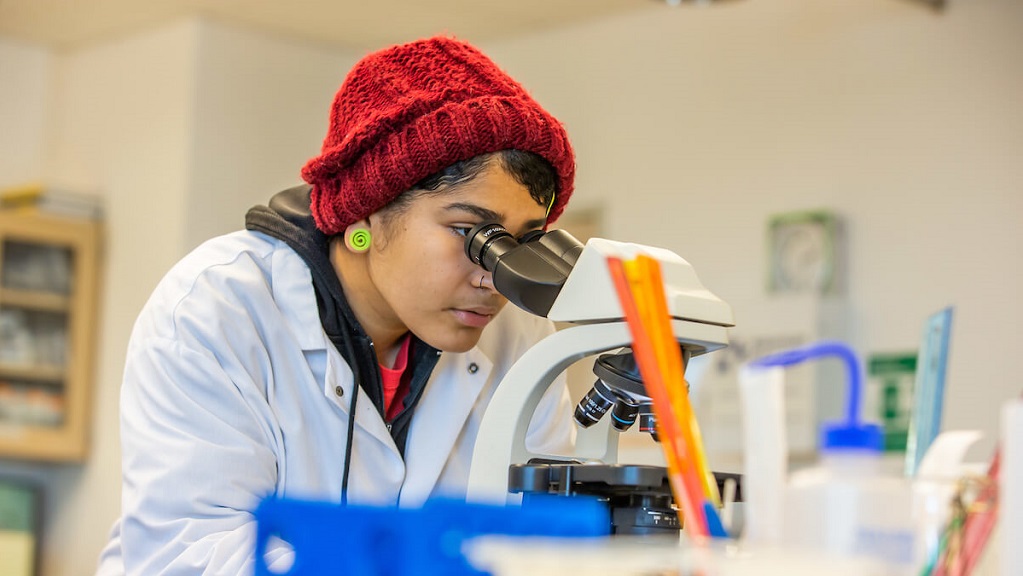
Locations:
296 281
293 292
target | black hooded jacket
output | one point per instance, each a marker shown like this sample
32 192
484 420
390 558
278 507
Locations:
288 218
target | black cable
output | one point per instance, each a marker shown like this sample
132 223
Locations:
351 419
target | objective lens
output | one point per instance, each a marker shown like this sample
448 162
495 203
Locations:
647 420
624 413
595 404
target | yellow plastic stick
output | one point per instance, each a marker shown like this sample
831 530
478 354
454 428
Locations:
686 493
670 358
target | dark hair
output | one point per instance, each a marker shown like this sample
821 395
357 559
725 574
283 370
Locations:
528 169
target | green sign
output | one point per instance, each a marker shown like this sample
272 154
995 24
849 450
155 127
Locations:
892 377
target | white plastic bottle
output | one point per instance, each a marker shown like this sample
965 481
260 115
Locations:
846 506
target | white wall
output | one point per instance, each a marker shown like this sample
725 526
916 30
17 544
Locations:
691 127
25 84
261 112
107 120
121 129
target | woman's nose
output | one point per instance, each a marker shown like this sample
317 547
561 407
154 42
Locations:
485 281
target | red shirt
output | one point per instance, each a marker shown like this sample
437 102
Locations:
395 387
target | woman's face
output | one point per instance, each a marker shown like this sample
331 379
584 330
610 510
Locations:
420 277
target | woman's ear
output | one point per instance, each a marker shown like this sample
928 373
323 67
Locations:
357 236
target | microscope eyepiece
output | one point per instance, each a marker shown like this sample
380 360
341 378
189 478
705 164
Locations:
528 271
531 235
487 242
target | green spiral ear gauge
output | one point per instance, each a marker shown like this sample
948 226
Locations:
359 240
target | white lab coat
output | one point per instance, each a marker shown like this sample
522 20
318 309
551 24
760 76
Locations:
230 395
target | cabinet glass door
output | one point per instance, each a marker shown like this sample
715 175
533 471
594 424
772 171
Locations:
35 291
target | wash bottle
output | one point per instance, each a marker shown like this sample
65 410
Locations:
845 505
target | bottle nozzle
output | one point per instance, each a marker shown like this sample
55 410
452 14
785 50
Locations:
852 433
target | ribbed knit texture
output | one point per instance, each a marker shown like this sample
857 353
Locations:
409 111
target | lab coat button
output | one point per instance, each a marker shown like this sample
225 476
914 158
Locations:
473 368
339 391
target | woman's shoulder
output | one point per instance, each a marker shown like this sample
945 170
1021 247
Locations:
229 274
233 257
227 254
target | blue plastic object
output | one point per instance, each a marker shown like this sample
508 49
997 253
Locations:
851 434
369 541
929 389
714 525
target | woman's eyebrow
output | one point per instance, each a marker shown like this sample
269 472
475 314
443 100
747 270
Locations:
488 215
484 214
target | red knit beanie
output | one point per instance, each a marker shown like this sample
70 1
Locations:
409 111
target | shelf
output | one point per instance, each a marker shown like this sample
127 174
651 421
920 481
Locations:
34 300
60 326
22 373
38 443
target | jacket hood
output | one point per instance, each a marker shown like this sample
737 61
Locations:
288 217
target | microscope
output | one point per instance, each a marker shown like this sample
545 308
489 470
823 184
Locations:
551 274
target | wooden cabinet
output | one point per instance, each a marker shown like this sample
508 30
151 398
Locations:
48 297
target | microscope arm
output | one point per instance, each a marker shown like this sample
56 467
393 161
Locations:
501 440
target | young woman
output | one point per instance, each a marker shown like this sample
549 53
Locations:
343 347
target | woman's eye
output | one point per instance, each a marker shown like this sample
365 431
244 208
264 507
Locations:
462 231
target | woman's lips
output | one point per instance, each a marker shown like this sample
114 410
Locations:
475 319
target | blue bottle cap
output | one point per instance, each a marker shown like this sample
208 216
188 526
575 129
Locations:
845 436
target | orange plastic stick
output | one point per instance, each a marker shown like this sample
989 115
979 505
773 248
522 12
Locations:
667 426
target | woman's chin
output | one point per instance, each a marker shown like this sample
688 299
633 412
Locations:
457 341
